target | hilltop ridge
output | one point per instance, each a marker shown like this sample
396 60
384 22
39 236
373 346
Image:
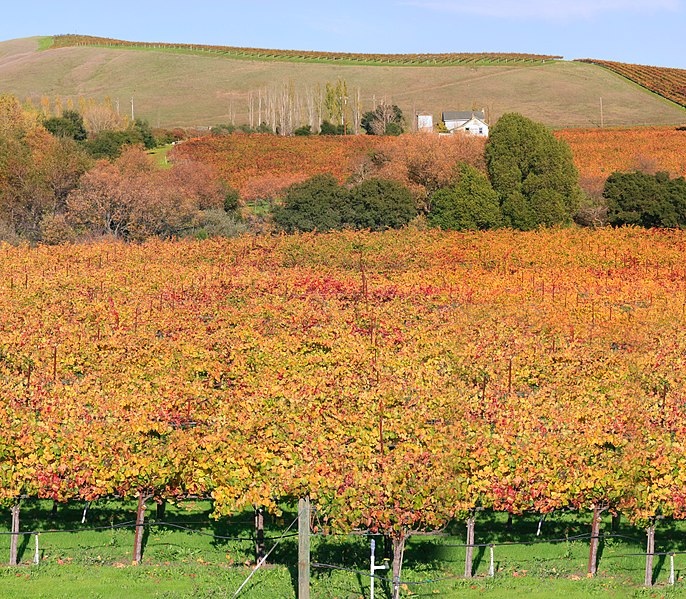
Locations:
179 86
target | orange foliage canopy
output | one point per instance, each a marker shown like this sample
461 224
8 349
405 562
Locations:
600 152
240 159
260 166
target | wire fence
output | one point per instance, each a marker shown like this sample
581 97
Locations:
131 524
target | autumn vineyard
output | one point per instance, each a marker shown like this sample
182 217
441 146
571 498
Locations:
257 165
451 58
666 82
401 380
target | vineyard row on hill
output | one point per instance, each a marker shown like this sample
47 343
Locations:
666 82
443 59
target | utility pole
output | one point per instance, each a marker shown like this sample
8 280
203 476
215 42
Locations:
602 120
345 109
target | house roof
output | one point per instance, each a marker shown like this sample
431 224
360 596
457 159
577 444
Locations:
473 121
463 115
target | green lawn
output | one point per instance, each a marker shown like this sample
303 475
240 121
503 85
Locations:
182 562
160 156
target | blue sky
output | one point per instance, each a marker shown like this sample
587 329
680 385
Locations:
641 31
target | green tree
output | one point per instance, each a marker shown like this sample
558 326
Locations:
315 204
379 204
336 102
328 128
109 144
532 172
385 119
645 200
471 203
70 124
145 131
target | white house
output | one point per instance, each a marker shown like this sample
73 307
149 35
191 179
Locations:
425 122
472 122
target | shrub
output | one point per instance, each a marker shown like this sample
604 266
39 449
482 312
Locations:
320 203
315 204
303 131
470 203
108 144
222 129
231 198
379 204
327 128
646 200
217 223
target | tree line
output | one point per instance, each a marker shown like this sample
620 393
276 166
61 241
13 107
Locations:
57 173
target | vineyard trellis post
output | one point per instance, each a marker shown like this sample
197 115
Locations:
650 553
14 537
304 548
468 562
260 548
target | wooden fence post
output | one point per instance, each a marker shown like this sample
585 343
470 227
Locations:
304 548
260 548
14 537
650 553
468 562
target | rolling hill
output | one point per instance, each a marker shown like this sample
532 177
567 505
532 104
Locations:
200 88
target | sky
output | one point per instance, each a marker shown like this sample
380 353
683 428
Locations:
637 31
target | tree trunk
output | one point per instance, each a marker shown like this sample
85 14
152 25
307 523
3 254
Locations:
595 533
398 551
14 538
388 548
650 550
259 535
138 538
470 546
161 510
616 521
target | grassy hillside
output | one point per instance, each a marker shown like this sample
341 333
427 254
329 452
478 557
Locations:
451 58
666 82
177 88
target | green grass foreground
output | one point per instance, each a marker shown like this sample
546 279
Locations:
179 562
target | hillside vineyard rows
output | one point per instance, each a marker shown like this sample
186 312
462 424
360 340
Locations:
450 58
666 82
400 379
